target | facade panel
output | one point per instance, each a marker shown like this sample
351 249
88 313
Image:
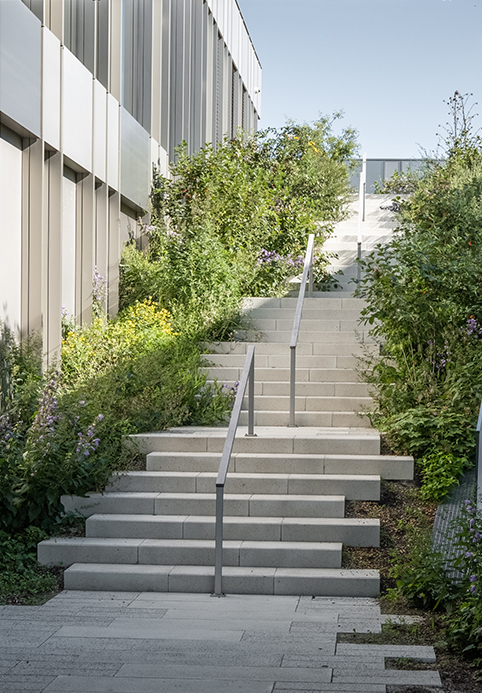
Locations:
76 111
11 221
100 131
135 158
20 61
69 224
51 89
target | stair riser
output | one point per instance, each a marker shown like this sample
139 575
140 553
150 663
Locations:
336 324
263 361
279 403
330 302
333 444
148 553
245 507
306 336
278 349
323 312
385 466
303 375
306 418
350 532
158 504
281 389
352 489
342 583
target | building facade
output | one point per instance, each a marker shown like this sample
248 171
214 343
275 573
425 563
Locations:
93 93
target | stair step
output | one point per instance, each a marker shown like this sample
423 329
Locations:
352 487
251 505
306 389
194 552
385 466
327 311
269 439
310 403
335 419
348 531
279 349
346 337
262 361
236 580
332 301
334 371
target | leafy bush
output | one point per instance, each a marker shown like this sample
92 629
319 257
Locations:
234 221
20 572
424 305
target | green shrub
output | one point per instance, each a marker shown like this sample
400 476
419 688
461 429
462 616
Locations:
424 306
20 572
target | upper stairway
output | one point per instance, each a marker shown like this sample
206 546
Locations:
285 495
378 227
329 392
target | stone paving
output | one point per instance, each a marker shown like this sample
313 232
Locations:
125 642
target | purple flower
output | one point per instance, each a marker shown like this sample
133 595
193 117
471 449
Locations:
473 578
100 417
472 589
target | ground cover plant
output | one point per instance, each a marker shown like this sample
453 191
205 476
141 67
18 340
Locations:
425 307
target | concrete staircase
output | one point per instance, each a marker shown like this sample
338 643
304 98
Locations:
377 228
285 496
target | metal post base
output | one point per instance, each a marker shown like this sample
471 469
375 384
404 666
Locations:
218 595
250 435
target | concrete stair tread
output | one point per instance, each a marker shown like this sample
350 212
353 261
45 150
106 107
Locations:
348 531
236 580
191 552
354 487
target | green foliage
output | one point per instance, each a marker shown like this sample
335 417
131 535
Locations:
189 275
424 305
464 626
128 375
234 221
403 183
20 572
421 575
440 473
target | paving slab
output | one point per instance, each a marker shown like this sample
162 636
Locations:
68 684
91 642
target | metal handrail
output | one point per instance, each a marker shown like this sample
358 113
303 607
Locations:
247 375
362 191
307 273
478 460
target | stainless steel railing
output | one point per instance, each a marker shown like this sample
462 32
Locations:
362 191
478 460
307 275
246 376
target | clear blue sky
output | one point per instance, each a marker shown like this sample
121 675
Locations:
388 64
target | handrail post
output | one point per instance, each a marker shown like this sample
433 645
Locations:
361 213
218 550
364 173
478 461
251 432
246 376
306 276
310 275
292 423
